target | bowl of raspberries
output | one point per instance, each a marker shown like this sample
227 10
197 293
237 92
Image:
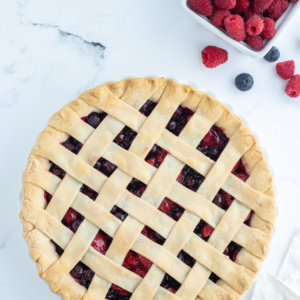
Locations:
251 26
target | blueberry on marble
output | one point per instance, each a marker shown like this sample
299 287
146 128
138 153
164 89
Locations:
272 55
244 82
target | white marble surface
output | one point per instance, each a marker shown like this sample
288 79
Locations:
51 50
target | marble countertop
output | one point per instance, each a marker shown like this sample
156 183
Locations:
52 50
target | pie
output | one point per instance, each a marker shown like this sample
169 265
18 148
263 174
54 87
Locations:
147 189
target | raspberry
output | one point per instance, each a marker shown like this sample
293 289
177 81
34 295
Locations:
209 139
254 25
249 216
259 6
241 6
130 260
235 27
100 243
227 198
255 41
121 291
207 230
234 255
213 56
236 166
166 205
277 8
219 16
145 262
172 290
250 13
293 87
140 271
286 70
203 7
269 29
70 216
148 233
242 176
226 4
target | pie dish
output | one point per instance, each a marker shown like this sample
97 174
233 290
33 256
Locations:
147 189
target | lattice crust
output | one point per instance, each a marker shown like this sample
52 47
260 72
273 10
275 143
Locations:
121 101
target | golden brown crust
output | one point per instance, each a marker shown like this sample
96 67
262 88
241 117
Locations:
43 225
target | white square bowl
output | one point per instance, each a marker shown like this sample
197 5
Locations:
280 26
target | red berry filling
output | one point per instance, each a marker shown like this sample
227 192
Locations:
117 293
203 230
179 119
153 235
136 187
186 258
156 156
170 283
94 119
88 192
190 178
137 263
82 274
72 144
101 242
171 209
232 250
47 197
105 166
125 138
70 216
147 108
119 213
213 143
57 171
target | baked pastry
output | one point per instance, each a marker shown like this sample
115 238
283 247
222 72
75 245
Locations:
147 189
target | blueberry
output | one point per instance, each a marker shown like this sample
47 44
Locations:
78 270
93 119
272 55
244 82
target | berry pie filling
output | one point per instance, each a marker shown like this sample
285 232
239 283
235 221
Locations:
211 145
179 119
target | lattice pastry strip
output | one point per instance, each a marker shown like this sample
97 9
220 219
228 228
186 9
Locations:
98 143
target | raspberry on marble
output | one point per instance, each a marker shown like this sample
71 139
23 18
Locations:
286 69
213 56
293 87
